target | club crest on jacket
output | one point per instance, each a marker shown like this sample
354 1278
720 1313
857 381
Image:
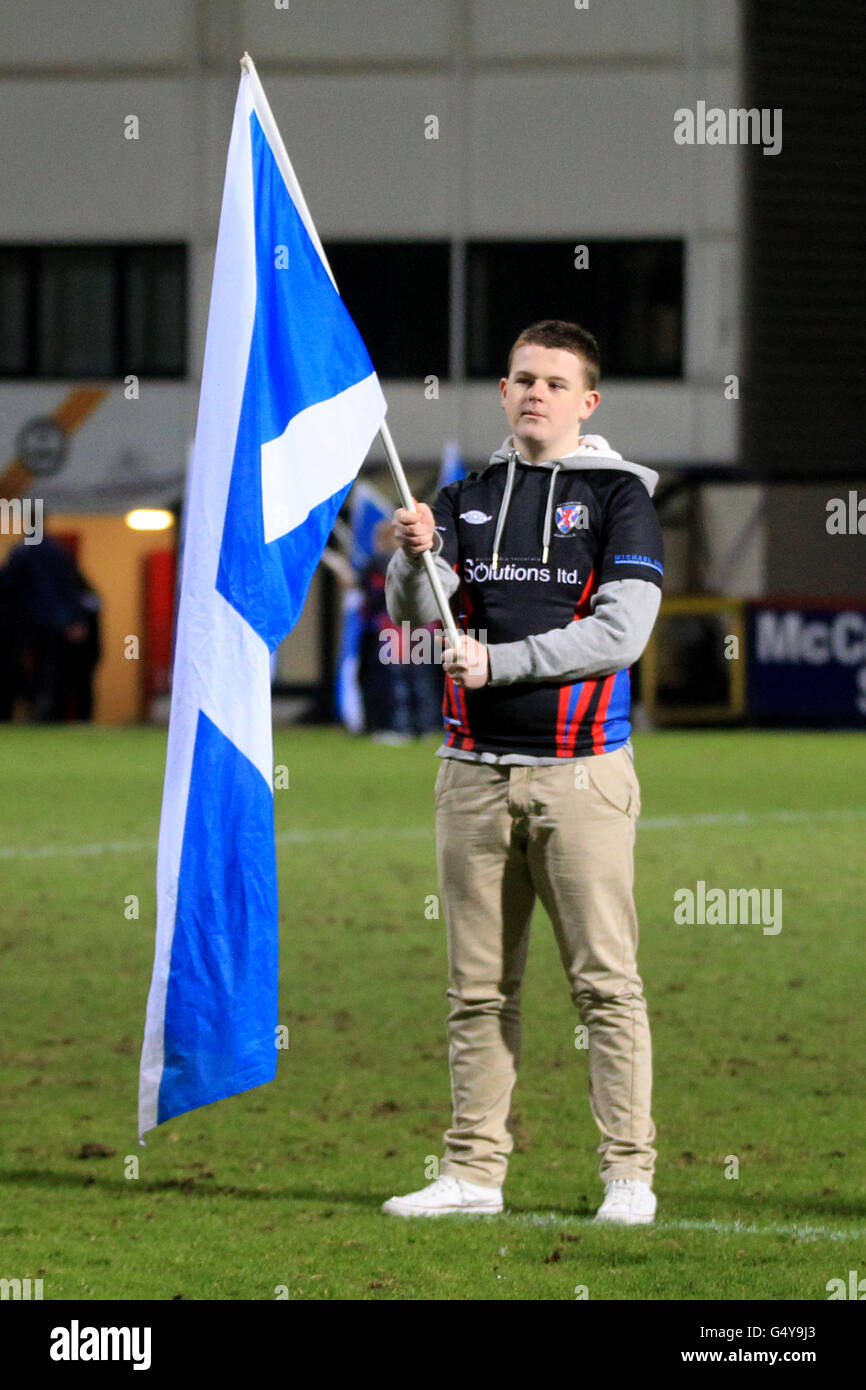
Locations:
572 516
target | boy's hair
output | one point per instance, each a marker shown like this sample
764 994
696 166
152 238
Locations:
557 333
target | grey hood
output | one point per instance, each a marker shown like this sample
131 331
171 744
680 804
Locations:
592 452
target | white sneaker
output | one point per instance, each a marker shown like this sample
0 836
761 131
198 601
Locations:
444 1196
627 1201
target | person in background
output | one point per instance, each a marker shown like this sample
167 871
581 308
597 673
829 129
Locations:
402 698
42 592
10 668
82 656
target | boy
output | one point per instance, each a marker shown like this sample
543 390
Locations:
554 552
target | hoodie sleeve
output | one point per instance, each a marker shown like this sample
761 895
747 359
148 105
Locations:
408 595
611 639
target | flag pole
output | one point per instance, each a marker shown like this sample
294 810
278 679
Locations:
269 125
427 555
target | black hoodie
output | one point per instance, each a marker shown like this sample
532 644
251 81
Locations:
557 568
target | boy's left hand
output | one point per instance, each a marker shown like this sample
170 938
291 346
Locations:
469 665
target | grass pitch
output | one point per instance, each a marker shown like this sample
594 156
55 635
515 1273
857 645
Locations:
759 1042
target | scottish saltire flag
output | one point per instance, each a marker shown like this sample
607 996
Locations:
289 406
452 469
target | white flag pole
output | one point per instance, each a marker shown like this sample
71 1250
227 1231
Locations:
427 555
284 164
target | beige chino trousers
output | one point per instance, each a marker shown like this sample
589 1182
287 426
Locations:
565 834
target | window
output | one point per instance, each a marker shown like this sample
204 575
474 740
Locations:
630 296
397 293
93 311
78 311
16 344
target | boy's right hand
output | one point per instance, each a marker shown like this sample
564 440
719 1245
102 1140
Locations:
414 531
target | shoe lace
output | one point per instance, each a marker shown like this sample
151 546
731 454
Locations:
619 1191
445 1183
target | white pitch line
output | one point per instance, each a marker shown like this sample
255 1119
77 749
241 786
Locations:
287 837
342 834
75 851
734 818
735 1228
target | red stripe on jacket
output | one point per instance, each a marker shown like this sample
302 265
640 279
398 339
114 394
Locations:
566 731
597 730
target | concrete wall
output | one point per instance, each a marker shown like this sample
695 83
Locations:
554 121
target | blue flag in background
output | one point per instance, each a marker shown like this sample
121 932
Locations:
369 507
452 469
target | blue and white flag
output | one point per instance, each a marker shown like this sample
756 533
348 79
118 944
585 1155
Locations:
348 696
289 406
452 469
369 507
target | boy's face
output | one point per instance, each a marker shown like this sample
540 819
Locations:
545 397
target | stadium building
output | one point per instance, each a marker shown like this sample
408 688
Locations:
471 166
